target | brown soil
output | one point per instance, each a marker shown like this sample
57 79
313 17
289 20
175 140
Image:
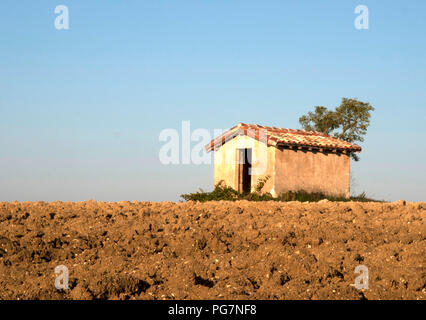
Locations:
215 250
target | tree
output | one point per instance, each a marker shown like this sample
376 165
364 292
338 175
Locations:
348 122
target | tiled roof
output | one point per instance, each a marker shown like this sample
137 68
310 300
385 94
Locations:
284 137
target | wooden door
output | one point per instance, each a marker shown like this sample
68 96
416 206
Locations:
243 169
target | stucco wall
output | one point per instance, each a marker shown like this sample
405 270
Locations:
312 172
263 158
288 169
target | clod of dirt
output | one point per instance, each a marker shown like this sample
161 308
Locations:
113 287
203 282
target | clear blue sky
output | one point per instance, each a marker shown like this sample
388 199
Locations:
81 109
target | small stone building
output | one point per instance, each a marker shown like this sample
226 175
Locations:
292 159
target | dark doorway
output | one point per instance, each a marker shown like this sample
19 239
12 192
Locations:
243 167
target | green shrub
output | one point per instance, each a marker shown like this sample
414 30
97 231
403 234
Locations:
261 183
222 192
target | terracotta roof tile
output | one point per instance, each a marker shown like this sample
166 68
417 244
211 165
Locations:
284 137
